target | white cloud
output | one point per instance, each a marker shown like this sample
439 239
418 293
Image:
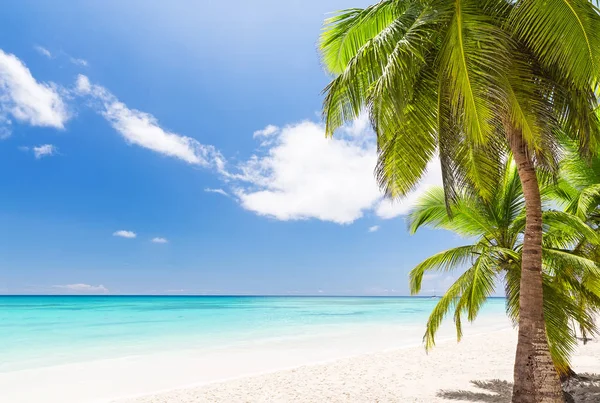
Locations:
43 51
44 150
219 191
25 99
266 132
78 62
83 288
374 228
5 127
159 240
83 85
359 126
142 129
125 234
303 175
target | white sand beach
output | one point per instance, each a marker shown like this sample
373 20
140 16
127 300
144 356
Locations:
357 366
405 375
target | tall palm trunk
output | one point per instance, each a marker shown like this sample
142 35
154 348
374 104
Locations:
536 379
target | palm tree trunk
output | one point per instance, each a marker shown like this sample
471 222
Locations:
536 379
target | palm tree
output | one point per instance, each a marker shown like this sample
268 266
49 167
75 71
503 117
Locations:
464 80
496 227
578 187
578 192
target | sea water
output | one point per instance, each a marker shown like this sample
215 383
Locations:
40 331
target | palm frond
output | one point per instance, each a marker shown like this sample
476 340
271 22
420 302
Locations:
406 139
393 48
474 57
568 225
557 260
563 34
446 303
479 289
444 261
349 30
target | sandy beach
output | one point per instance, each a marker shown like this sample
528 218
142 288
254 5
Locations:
356 366
404 375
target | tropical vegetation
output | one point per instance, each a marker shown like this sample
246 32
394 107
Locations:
571 275
468 81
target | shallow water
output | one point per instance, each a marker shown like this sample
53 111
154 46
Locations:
39 331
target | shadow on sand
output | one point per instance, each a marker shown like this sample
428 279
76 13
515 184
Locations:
584 388
494 391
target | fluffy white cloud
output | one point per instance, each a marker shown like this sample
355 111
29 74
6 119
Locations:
142 129
358 127
374 228
160 240
302 175
43 51
44 150
83 85
78 62
266 132
83 288
219 191
125 234
25 99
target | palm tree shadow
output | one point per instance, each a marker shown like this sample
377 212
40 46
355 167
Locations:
493 391
583 388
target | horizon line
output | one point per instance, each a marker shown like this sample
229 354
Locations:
227 295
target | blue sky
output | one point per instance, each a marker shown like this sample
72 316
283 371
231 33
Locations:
177 148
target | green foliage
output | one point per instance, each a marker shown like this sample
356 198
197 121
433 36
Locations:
449 79
571 277
446 78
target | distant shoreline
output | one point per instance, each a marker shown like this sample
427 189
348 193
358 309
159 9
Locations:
225 296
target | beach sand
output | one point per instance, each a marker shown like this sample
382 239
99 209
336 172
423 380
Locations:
363 365
403 375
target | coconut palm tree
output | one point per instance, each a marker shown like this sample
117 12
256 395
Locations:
463 81
578 187
578 192
495 227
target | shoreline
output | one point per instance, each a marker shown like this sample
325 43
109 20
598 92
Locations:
357 366
325 362
224 381
222 390
106 380
406 375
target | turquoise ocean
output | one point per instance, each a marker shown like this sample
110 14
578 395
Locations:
38 331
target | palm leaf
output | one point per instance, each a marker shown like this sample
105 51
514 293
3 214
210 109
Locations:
444 261
349 30
446 303
563 34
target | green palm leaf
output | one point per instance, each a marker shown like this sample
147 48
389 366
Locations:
444 261
564 34
348 31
